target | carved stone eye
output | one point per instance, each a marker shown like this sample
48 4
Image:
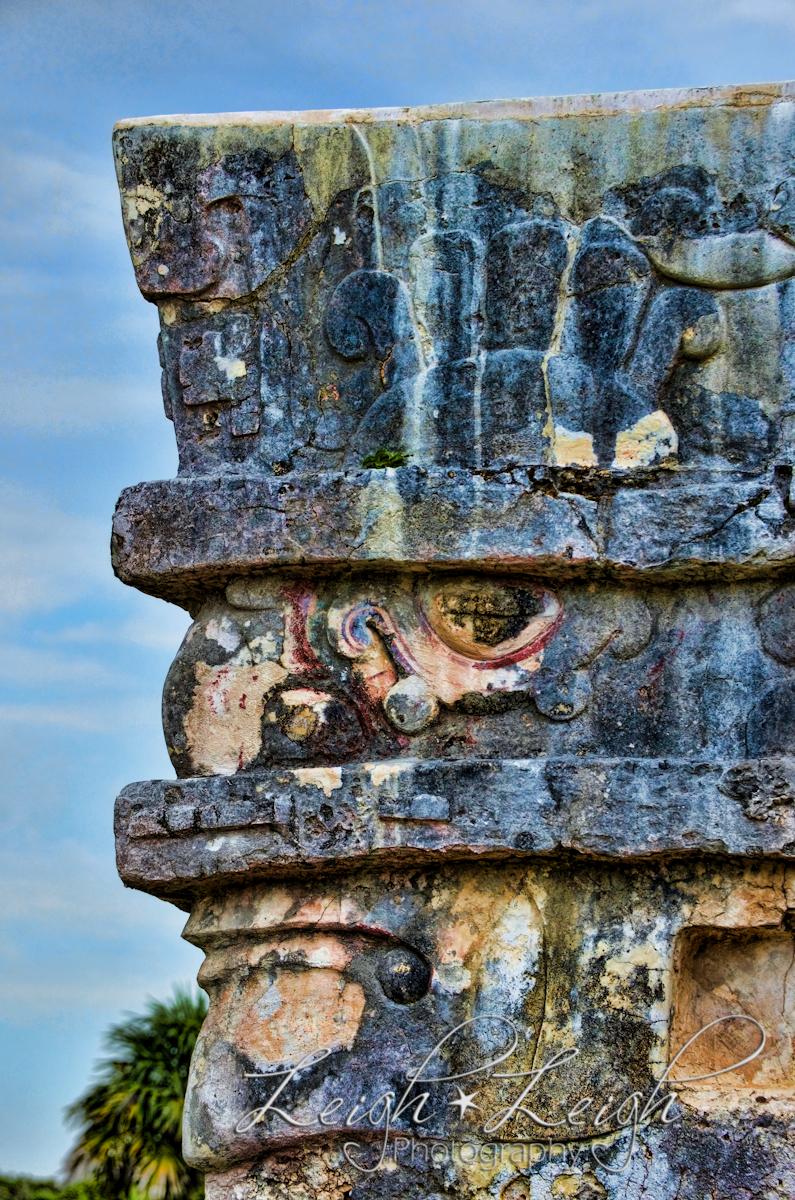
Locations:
404 976
487 619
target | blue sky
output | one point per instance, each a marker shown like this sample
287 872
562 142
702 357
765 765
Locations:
83 658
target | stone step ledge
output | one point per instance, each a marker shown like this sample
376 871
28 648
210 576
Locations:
176 838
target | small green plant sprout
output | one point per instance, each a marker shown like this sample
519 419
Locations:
386 458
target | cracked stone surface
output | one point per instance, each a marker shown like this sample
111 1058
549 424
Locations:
484 729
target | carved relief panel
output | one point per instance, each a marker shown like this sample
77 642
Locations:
473 665
463 317
523 990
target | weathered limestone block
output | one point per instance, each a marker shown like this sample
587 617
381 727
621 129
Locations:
484 729
382 967
173 836
169 538
451 666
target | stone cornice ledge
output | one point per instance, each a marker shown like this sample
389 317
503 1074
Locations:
181 538
176 838
532 108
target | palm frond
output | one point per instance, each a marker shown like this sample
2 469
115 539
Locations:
130 1119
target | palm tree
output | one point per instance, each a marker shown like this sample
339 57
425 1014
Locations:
130 1120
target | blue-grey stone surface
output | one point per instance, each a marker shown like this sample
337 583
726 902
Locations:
485 518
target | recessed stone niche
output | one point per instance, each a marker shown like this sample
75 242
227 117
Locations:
729 976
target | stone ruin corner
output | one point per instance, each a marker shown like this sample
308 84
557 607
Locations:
484 729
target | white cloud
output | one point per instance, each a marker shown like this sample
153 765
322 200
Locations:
45 885
25 1000
164 634
32 401
24 282
117 944
160 627
118 976
773 12
32 666
93 715
51 198
89 359
48 558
